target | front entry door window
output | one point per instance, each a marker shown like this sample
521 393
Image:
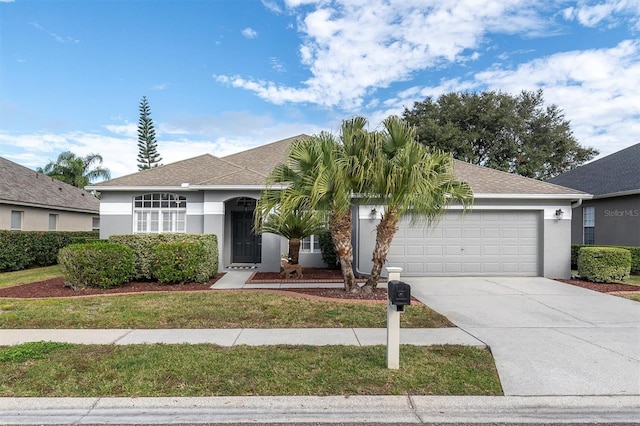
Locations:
247 246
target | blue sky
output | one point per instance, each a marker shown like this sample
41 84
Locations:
223 76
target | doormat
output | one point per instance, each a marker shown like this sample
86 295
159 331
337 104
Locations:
242 266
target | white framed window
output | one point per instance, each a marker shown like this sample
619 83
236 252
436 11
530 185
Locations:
588 225
95 224
159 213
53 222
310 244
16 220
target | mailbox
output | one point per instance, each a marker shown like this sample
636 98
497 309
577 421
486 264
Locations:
399 294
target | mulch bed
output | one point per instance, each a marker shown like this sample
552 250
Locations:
55 287
310 275
602 287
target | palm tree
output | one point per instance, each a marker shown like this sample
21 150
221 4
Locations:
321 175
75 170
409 180
294 226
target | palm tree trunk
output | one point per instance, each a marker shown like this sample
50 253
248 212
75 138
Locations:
294 250
341 234
385 231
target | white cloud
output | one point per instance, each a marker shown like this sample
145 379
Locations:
598 89
56 37
160 86
354 47
249 33
612 11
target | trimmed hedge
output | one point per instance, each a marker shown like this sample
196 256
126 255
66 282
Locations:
180 262
23 249
604 264
635 256
97 264
144 245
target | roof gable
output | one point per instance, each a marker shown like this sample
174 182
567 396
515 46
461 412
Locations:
21 185
617 172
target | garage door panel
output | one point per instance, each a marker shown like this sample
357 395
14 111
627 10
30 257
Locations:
479 243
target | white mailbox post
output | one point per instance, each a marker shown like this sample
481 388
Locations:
393 325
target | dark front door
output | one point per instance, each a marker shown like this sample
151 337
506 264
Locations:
247 246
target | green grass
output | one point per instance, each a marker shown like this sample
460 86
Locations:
10 279
630 296
209 370
216 309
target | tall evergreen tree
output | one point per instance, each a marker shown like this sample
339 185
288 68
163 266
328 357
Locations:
148 156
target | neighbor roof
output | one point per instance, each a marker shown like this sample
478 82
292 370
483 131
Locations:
615 174
251 167
23 186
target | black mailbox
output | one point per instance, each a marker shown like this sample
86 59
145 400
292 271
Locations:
399 294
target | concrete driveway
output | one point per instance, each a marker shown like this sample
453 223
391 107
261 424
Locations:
547 338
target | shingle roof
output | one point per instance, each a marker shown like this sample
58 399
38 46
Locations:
251 167
617 172
484 180
21 185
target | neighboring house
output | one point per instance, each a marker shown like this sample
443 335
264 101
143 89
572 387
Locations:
612 217
513 228
31 201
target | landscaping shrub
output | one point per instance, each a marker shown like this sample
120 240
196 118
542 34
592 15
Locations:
635 256
144 245
180 262
604 264
97 264
328 250
22 249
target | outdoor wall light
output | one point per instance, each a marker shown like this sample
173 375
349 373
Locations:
559 214
373 213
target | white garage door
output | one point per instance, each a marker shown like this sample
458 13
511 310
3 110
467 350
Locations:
478 243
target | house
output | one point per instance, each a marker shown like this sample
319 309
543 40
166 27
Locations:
31 201
518 226
612 217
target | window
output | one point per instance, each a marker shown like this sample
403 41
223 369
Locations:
16 220
53 222
95 224
159 213
310 244
589 224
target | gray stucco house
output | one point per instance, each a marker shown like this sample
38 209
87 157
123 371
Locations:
517 227
612 217
31 201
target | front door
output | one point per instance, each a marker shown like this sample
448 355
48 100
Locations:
247 246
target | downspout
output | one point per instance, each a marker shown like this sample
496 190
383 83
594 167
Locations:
576 204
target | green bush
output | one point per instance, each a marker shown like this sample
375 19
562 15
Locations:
144 245
23 249
180 262
604 264
97 264
635 256
328 250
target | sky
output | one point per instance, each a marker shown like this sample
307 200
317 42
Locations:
222 76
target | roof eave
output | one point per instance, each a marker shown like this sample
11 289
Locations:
568 196
182 188
617 194
49 206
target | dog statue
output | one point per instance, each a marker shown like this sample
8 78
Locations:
289 269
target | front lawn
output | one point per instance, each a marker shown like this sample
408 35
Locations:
214 309
65 370
26 276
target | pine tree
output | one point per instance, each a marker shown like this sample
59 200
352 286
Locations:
148 156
